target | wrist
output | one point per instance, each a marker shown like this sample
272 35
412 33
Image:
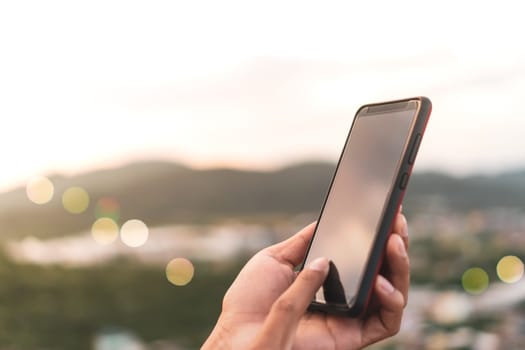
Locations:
220 337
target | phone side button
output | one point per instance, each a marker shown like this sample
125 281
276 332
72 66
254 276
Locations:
413 151
404 181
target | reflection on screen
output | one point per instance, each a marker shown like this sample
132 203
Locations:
352 212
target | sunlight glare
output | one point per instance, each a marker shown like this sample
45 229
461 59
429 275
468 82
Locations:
510 269
180 271
450 308
134 233
40 190
475 280
104 231
75 200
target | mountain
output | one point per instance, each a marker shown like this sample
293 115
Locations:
164 193
505 190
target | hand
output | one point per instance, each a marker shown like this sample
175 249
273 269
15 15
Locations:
265 307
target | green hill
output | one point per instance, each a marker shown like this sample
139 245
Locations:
466 193
164 193
161 193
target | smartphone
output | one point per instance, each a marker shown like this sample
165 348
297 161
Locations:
364 196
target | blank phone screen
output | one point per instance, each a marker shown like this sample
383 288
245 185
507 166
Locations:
359 193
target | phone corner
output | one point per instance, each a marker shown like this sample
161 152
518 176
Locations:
425 101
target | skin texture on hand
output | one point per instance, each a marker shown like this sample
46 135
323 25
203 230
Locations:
265 307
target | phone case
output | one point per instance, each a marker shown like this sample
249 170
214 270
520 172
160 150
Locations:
394 201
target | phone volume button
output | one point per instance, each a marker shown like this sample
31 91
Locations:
413 150
404 181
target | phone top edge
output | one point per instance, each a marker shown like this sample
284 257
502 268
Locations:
390 107
393 105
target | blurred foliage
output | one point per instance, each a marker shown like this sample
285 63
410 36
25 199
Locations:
52 307
440 262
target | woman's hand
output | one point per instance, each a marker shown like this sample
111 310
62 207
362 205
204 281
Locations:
265 307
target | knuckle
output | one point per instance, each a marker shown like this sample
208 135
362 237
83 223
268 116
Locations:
309 276
285 305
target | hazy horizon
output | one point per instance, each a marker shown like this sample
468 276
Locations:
221 165
207 87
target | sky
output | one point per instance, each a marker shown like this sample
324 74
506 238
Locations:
88 85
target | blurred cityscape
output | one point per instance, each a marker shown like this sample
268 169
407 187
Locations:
139 257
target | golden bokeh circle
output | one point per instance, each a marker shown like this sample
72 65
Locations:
40 190
475 280
134 233
104 231
510 269
180 271
75 200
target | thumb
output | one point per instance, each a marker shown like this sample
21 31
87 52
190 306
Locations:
281 323
292 250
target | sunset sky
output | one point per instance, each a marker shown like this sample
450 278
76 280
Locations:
85 85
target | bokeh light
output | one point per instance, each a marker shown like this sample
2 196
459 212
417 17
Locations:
40 190
475 280
75 200
134 233
104 231
107 207
180 271
510 269
437 341
450 308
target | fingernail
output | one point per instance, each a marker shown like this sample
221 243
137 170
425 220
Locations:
401 247
319 264
400 208
385 285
